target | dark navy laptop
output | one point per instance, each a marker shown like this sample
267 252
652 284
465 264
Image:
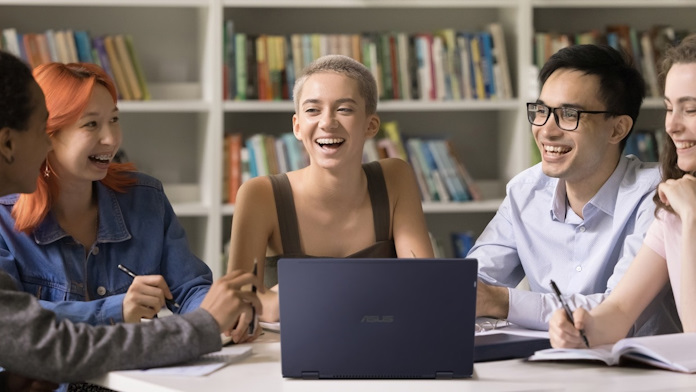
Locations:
377 318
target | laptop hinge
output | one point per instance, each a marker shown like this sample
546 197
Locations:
310 375
446 375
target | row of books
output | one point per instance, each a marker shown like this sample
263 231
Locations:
443 65
258 155
440 174
114 53
645 47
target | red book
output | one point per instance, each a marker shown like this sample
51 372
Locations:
235 166
394 57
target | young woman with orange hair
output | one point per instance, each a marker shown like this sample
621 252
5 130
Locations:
64 242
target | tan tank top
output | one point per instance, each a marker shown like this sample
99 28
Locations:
289 230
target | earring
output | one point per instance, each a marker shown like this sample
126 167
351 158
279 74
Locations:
9 160
47 171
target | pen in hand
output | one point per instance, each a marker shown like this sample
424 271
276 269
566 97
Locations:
132 274
568 312
252 323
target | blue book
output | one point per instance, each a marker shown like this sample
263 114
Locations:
487 64
252 158
83 46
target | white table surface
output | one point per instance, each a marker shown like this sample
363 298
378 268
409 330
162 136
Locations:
261 372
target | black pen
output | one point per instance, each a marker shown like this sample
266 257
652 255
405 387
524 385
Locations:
568 312
132 274
252 323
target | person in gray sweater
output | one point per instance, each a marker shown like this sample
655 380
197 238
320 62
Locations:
36 349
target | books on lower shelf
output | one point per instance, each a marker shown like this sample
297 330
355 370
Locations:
115 53
440 174
447 64
258 155
672 352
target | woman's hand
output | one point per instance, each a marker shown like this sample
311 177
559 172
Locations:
145 297
563 333
680 194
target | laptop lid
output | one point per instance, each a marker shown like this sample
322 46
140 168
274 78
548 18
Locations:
377 318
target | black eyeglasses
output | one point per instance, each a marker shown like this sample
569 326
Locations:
567 118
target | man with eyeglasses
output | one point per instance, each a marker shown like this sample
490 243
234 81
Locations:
580 215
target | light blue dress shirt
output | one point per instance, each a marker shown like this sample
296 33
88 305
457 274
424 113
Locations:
137 228
536 234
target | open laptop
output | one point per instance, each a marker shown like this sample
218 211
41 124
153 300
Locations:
377 318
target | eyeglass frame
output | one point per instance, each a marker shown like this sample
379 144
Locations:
556 118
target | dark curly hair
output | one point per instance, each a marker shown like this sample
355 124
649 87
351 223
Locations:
15 96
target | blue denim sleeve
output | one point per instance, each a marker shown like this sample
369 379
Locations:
188 277
104 311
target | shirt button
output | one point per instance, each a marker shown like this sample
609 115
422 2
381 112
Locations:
582 229
101 290
95 250
578 268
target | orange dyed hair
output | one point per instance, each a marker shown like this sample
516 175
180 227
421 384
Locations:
68 88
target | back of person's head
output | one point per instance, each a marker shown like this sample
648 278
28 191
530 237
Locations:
15 94
346 66
683 53
68 89
621 86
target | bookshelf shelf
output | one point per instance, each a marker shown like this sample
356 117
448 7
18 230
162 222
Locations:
177 137
162 106
191 209
370 3
383 106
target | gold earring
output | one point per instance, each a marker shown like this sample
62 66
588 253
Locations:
47 171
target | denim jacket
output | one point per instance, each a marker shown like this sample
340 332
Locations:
137 229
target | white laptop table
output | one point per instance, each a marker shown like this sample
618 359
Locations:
261 372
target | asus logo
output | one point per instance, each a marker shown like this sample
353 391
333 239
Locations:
377 319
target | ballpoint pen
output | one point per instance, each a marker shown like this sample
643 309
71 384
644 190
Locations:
132 274
252 323
568 312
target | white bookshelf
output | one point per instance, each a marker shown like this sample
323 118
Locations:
177 136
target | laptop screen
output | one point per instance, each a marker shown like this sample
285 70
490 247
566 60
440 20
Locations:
377 318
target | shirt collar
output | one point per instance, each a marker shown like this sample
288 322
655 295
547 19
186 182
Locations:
112 226
604 200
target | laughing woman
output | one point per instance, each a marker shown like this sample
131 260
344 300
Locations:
64 242
336 206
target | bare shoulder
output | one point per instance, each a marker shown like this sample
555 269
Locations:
397 172
255 192
394 167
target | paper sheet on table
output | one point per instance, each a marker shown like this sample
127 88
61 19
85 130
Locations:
205 364
275 327
490 326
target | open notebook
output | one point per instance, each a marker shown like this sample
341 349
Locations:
672 352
